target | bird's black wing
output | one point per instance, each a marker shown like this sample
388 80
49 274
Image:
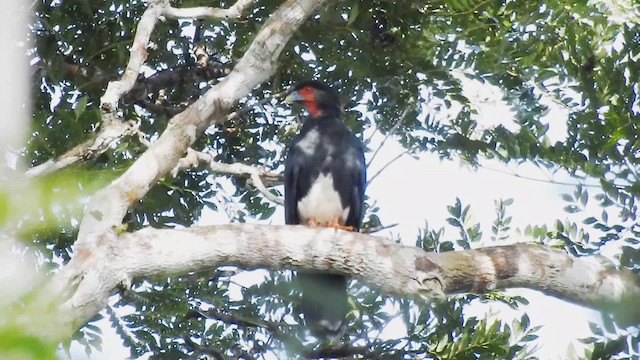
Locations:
358 171
292 167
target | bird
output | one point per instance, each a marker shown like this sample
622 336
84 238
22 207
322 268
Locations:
324 186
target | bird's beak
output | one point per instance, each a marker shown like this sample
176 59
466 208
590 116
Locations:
293 97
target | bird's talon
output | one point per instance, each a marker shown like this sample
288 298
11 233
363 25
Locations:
347 228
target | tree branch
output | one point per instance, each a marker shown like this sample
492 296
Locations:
273 327
116 89
342 351
201 348
391 131
292 342
111 132
385 166
204 12
378 228
194 158
394 268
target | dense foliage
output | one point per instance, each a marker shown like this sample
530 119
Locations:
403 66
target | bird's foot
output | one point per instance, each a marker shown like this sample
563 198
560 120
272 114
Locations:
335 223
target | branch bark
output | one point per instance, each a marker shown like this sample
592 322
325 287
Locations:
205 12
393 268
194 158
116 89
112 131
157 8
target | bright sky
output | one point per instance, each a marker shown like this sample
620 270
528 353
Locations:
429 185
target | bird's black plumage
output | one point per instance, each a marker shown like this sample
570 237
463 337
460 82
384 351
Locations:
324 182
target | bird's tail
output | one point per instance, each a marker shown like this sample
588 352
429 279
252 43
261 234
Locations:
325 303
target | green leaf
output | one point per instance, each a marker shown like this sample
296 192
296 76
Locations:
353 15
81 106
571 209
567 198
595 328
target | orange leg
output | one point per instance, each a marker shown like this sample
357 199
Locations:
335 223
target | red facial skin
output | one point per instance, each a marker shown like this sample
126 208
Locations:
309 102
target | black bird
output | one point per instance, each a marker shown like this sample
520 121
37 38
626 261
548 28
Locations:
324 182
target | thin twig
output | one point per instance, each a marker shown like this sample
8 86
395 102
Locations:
342 351
239 320
378 228
201 348
548 181
246 109
376 130
275 330
227 204
391 131
387 165
142 138
204 12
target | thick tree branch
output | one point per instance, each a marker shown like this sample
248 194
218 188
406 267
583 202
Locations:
396 269
164 80
233 12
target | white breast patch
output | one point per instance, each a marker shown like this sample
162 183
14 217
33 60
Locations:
309 141
322 202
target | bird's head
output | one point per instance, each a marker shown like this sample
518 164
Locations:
318 98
